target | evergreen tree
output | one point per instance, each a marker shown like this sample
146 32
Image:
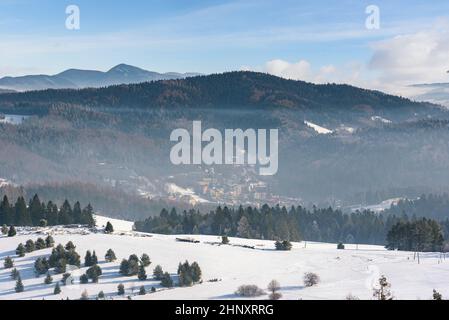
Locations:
23 217
101 295
142 275
14 274
109 228
40 244
196 272
19 285
20 251
61 266
12 231
224 240
145 259
88 259
94 273
77 214
52 214
41 266
87 217
30 246
166 280
120 289
142 291
110 256
94 258
7 215
48 279
124 267
70 246
65 213
158 273
43 223
4 230
66 279
49 242
8 263
84 279
36 211
57 289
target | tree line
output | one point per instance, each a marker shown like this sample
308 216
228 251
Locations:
37 213
275 223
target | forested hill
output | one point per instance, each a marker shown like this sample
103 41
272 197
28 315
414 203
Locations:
233 89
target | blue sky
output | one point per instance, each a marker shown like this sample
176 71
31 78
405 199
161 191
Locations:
310 39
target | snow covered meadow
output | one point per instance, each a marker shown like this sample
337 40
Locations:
224 267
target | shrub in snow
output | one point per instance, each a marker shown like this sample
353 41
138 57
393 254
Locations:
311 279
382 292
351 297
283 246
340 246
109 228
249 291
224 240
4 229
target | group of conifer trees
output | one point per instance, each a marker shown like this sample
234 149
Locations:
37 213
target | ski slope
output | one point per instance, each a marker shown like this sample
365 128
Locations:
342 272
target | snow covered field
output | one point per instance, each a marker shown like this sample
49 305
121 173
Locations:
342 272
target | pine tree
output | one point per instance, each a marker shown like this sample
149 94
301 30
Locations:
49 242
8 263
77 214
110 256
145 259
14 274
6 214
158 273
66 279
94 258
101 295
35 210
48 279
65 214
4 230
88 259
12 231
109 228
20 251
19 285
224 240
70 246
84 279
94 273
57 289
41 266
23 217
196 272
124 267
142 275
120 289
40 244
142 291
30 246
166 280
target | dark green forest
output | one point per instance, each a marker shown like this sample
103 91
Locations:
38 213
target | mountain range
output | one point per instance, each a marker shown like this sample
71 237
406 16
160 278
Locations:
77 79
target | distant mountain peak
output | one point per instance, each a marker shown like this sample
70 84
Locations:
79 78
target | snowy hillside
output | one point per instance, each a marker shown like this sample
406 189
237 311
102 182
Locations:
342 272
